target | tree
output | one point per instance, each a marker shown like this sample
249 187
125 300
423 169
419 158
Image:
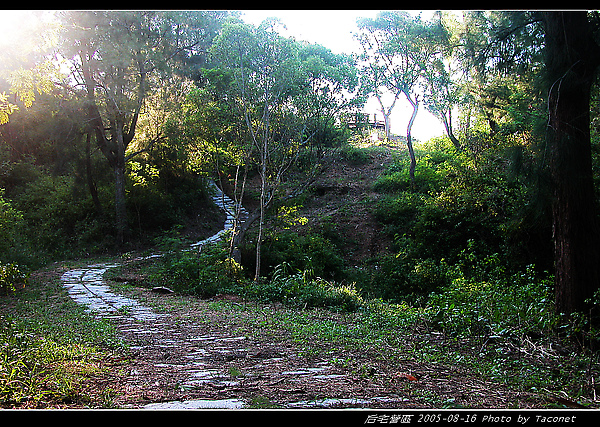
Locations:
572 58
114 56
329 93
508 49
267 74
400 47
25 68
373 81
441 91
500 55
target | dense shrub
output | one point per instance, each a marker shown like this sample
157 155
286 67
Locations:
311 252
11 278
399 278
210 272
54 216
398 212
500 305
354 155
301 289
11 229
456 202
159 200
205 273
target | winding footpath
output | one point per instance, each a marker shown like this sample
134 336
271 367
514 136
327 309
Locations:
208 358
192 359
86 286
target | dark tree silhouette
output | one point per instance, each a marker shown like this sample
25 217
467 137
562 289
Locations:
572 57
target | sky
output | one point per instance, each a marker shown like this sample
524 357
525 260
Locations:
330 28
333 29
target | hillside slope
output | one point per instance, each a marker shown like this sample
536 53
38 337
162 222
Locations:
343 196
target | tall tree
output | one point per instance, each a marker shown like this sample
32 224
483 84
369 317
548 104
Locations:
267 74
569 65
442 92
331 81
373 82
114 56
26 69
572 59
500 54
400 46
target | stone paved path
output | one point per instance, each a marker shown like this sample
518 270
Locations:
199 360
87 287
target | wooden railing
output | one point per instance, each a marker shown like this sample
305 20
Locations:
363 120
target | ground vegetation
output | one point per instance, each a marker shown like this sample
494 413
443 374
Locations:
473 253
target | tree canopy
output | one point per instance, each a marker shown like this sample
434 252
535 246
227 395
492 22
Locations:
134 111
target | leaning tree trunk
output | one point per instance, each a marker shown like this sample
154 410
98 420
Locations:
413 160
90 178
572 59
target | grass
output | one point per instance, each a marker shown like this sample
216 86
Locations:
385 332
50 349
495 326
53 352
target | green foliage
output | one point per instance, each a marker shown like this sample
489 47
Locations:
56 222
398 212
495 303
301 289
50 348
302 252
399 278
11 277
205 273
354 155
11 223
427 178
454 202
211 272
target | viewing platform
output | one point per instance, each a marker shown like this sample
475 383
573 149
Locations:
363 120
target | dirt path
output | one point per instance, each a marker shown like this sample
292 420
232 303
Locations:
193 356
225 353
191 353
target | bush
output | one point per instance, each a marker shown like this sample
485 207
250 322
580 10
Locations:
398 278
302 252
354 155
11 277
211 272
11 229
501 306
399 211
53 218
301 290
206 273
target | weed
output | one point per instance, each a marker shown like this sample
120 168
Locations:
48 349
11 278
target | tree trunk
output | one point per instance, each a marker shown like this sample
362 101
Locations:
447 121
386 121
240 235
411 152
386 113
572 58
90 178
263 197
120 206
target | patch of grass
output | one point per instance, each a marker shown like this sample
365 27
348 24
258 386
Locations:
50 349
301 289
386 332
